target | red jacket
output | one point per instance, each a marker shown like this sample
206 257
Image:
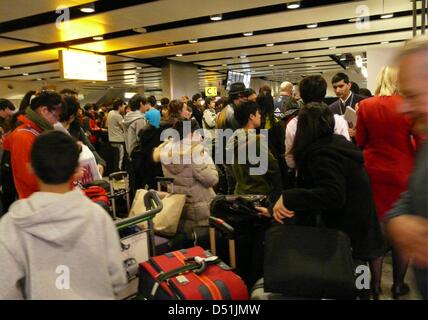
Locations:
385 135
19 143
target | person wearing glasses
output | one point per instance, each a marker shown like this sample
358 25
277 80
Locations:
42 113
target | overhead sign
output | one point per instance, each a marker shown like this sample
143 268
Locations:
211 91
79 65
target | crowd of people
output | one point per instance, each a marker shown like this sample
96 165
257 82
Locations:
368 180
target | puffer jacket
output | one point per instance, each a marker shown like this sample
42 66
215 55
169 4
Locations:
195 178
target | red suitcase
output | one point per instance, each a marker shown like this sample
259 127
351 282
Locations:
189 274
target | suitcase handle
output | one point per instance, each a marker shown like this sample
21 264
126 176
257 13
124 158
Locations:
151 201
118 175
223 227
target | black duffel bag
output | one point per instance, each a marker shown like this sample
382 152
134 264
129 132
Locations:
239 211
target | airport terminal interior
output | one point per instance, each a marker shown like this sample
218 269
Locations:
115 75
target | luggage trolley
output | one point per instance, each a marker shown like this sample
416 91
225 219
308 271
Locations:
139 246
119 189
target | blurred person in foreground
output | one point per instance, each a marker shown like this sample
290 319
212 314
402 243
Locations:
407 223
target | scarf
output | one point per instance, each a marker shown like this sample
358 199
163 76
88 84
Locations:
37 119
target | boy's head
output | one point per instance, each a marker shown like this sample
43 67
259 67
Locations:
54 157
248 115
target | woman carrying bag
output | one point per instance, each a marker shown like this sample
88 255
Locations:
333 183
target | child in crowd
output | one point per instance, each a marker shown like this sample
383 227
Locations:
58 244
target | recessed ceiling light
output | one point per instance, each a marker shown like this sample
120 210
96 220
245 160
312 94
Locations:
39 79
293 5
248 34
193 41
25 74
387 16
179 55
270 44
312 25
6 68
140 30
98 38
139 68
324 39
216 17
271 65
242 57
332 48
285 52
297 58
89 8
384 42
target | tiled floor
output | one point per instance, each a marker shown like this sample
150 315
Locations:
387 282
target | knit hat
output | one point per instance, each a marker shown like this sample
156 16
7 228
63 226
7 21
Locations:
153 116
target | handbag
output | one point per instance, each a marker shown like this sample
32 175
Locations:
165 222
308 262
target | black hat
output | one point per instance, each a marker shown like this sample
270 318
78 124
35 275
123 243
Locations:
237 88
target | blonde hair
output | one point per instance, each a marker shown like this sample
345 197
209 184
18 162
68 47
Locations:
387 82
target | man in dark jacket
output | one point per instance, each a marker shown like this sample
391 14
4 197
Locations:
146 170
342 88
407 222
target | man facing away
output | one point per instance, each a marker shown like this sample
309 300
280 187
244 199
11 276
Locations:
285 99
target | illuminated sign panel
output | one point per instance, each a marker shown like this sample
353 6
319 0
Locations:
211 91
78 65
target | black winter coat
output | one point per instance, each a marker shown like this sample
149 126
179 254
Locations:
147 170
333 182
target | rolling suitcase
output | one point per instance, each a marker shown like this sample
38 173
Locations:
192 274
239 212
137 244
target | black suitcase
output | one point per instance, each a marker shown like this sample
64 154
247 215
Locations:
248 232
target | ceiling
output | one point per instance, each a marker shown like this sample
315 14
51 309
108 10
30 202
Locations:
30 36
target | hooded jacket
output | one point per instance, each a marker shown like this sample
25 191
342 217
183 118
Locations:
59 246
195 180
133 122
332 182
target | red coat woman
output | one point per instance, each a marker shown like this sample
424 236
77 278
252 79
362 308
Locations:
385 135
